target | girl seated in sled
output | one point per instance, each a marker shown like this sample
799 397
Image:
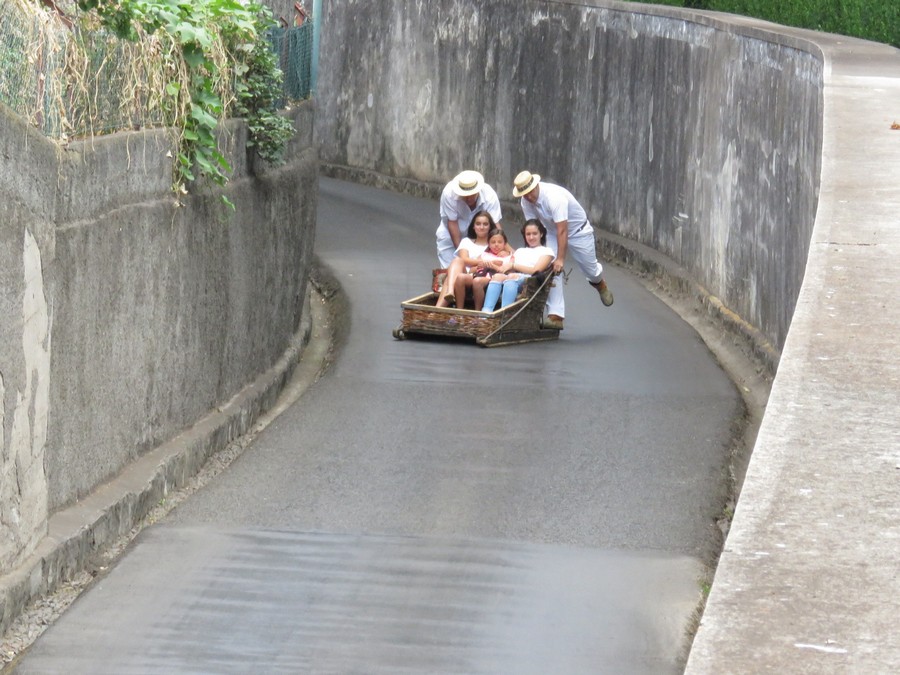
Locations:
534 257
496 259
468 254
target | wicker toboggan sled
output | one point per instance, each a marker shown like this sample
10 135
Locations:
519 322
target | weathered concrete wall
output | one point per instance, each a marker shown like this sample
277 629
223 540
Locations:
673 129
125 316
26 234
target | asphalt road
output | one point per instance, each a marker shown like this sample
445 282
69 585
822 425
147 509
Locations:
435 507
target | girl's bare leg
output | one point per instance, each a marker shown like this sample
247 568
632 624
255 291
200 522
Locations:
456 267
479 287
463 281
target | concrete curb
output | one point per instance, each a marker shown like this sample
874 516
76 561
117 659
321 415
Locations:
807 581
80 532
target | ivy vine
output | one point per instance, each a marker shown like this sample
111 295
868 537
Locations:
223 65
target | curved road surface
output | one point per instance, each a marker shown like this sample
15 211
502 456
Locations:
435 507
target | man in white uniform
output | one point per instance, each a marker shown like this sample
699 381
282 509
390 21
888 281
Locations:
463 196
568 234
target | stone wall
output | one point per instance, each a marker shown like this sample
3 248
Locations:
126 315
677 130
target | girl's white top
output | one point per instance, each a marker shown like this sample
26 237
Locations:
474 250
530 256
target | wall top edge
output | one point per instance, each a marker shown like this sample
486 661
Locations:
836 49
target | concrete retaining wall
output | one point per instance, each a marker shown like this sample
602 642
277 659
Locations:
27 205
644 113
127 317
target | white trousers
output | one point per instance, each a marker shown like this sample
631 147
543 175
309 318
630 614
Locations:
582 249
446 251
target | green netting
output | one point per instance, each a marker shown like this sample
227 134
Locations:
71 83
294 46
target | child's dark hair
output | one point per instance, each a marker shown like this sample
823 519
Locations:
470 233
540 226
494 232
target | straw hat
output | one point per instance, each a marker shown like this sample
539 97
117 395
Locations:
468 183
524 183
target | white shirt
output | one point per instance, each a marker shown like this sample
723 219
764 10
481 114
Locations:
529 257
474 250
454 208
553 205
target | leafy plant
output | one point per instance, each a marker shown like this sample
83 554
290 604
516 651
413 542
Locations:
221 64
877 20
258 87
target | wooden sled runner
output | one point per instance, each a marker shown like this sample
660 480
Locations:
515 323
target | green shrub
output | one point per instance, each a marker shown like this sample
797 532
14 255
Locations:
877 20
219 62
